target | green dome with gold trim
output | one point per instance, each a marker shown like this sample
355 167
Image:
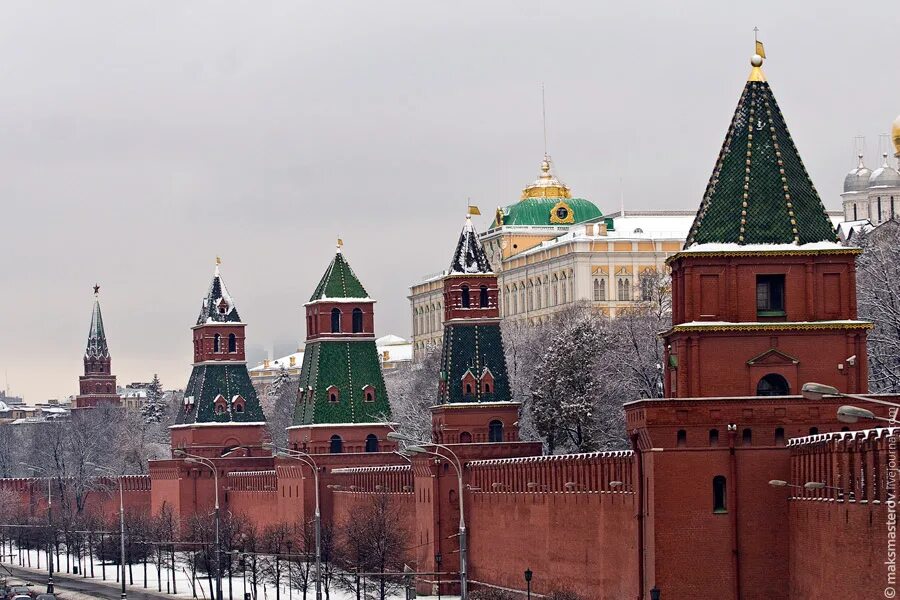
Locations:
547 201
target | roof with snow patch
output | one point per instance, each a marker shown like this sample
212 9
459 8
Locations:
469 257
218 305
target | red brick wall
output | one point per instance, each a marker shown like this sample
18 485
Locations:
839 538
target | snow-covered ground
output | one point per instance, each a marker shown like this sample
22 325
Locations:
183 583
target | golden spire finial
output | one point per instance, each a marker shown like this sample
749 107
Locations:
340 244
756 60
547 185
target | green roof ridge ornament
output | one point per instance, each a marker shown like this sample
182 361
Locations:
760 192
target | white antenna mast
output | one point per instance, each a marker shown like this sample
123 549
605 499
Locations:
544 117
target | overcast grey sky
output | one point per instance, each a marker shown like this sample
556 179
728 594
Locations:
138 140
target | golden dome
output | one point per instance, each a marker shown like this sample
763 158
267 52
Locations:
547 185
895 135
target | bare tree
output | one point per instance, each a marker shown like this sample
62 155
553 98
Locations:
373 540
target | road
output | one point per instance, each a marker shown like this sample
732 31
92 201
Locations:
75 588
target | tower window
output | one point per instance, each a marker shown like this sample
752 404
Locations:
713 437
719 498
465 437
334 394
483 297
369 393
779 436
217 343
770 295
335 320
495 431
773 384
681 438
357 320
371 443
747 437
468 389
232 343
466 300
337 445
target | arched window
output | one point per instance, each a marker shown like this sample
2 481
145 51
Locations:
495 431
538 294
371 443
596 290
468 389
357 320
334 394
216 343
773 384
232 343
564 287
747 437
603 290
681 438
719 498
555 291
713 437
779 436
337 445
369 393
483 297
466 300
465 437
238 408
335 320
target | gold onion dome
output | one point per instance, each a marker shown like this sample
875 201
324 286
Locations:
547 185
895 135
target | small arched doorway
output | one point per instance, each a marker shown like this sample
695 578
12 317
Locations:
773 384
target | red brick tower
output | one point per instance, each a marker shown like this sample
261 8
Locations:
98 384
763 301
474 418
221 411
764 298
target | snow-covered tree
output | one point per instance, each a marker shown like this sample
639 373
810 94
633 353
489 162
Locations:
878 300
567 393
154 390
278 405
412 390
524 346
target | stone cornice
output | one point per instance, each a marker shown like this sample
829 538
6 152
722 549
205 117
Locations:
719 326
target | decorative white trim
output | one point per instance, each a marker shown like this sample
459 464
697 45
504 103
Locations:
320 425
221 424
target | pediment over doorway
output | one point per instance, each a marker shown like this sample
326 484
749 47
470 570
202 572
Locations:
773 356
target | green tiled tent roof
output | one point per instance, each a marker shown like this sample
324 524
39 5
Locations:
96 343
537 211
339 281
473 347
350 366
206 383
760 192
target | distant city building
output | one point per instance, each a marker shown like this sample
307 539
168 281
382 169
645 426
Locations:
8 400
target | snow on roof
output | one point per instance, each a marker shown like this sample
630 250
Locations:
390 340
732 247
284 361
637 227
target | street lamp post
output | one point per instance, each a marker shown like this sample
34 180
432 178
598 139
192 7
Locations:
310 462
528 576
849 414
208 463
457 464
51 533
109 472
